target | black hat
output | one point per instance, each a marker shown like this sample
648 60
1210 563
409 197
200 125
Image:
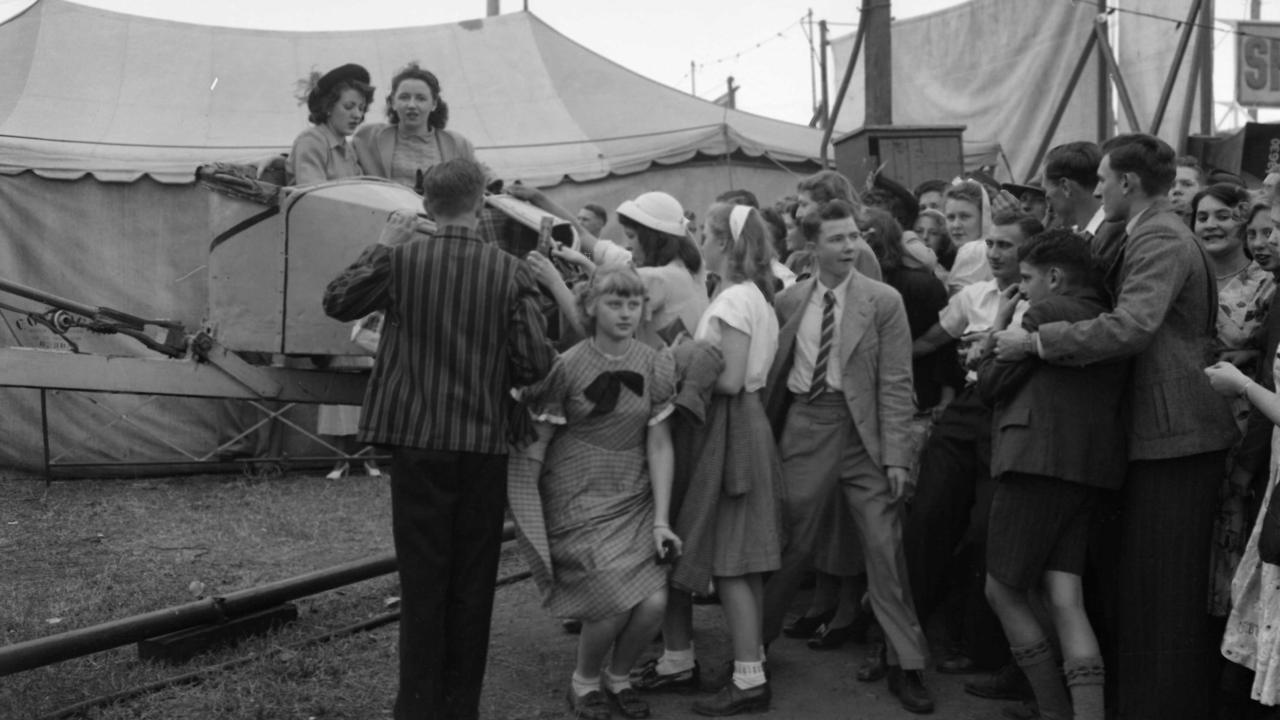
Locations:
350 72
1017 190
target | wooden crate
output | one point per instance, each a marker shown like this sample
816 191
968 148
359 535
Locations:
910 154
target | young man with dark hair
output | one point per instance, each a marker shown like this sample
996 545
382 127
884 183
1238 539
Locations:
1070 175
838 216
1187 181
593 218
823 186
840 400
1056 448
953 494
463 327
1179 429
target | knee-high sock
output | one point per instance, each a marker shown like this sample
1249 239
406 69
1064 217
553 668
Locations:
1041 668
1085 679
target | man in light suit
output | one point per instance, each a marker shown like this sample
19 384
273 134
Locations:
1179 429
840 400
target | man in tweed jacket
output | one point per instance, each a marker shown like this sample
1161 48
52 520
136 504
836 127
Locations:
463 327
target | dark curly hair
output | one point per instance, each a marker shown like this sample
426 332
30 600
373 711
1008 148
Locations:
319 114
438 117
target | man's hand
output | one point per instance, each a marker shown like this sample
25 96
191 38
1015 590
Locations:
1011 344
1009 299
526 193
399 229
1004 201
900 483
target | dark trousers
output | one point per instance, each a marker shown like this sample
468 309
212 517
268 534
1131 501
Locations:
446 517
950 511
1166 648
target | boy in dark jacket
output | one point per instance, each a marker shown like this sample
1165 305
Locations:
1057 446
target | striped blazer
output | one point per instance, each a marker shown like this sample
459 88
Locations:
463 326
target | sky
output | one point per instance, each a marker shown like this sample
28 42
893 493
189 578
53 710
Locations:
761 43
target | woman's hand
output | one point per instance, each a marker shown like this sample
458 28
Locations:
573 257
1226 378
526 193
661 534
1240 358
1003 202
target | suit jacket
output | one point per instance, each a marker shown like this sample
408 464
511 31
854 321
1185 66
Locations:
376 143
1165 299
1055 420
463 326
875 345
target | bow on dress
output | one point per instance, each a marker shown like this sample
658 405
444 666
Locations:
604 390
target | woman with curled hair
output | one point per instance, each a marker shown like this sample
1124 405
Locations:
336 102
414 138
1219 215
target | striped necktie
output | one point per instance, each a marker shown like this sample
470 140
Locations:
819 382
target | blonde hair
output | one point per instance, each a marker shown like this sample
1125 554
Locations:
750 255
616 279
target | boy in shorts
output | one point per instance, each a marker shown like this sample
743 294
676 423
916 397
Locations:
1057 447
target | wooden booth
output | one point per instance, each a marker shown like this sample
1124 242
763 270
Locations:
909 154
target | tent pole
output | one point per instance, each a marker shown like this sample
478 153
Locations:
844 88
1104 90
1061 110
1207 120
1126 102
1193 81
1179 55
826 92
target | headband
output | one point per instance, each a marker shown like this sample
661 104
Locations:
737 220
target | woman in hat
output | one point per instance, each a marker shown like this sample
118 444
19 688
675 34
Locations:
337 102
414 138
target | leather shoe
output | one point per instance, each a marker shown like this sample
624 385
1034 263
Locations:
957 663
876 666
805 626
908 687
591 706
732 700
829 638
628 702
646 677
1007 683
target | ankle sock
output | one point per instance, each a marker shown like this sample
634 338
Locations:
582 685
616 683
1040 667
676 661
1085 678
747 675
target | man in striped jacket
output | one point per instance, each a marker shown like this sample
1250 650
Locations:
462 327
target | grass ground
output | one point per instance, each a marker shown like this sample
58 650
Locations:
77 553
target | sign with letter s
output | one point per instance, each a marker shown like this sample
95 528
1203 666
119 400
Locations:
1258 63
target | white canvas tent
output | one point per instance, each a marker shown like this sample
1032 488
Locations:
104 118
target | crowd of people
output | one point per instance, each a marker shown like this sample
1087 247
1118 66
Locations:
1033 417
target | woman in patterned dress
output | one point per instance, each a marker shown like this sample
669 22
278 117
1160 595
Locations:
1252 636
1244 296
606 491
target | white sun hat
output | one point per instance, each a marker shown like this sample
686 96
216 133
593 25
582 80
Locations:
656 211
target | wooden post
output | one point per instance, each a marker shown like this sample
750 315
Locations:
813 72
1179 55
825 109
879 62
1104 44
492 8
1104 90
1206 68
1193 81
1255 13
693 79
844 88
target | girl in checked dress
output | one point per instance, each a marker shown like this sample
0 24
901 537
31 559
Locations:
606 490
